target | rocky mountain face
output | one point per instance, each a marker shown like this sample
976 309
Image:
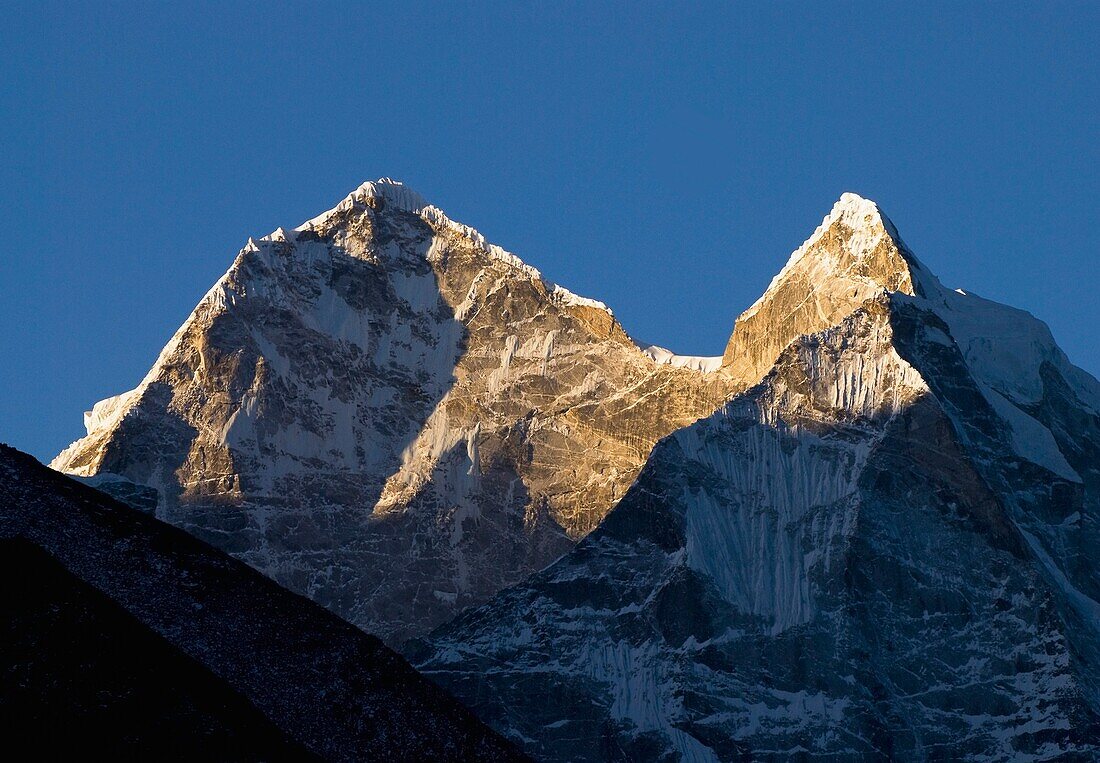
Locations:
384 412
137 640
884 549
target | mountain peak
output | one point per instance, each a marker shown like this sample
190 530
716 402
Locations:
392 192
381 365
395 195
854 255
864 215
854 232
849 200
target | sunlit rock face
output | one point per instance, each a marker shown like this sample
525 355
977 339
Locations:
884 549
855 254
390 415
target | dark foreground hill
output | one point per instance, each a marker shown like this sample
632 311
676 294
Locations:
80 667
124 635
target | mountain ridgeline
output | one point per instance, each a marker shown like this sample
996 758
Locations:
867 530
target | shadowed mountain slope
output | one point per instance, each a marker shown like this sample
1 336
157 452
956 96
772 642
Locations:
117 612
76 661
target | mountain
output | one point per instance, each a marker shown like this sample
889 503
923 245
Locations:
886 547
384 412
136 640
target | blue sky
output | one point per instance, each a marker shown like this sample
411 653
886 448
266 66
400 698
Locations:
663 159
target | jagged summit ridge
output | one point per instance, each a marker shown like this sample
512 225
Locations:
399 196
391 191
372 193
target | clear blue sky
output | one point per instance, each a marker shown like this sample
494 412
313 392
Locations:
662 159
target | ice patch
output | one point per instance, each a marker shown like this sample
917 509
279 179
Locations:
663 357
1031 440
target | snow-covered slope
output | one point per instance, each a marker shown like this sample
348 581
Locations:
385 412
884 549
703 363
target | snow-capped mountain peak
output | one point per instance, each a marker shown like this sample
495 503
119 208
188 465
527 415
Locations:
848 236
370 193
395 195
854 255
384 389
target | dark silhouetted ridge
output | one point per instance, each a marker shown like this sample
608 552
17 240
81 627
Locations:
130 635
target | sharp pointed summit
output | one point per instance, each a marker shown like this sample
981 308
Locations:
854 255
